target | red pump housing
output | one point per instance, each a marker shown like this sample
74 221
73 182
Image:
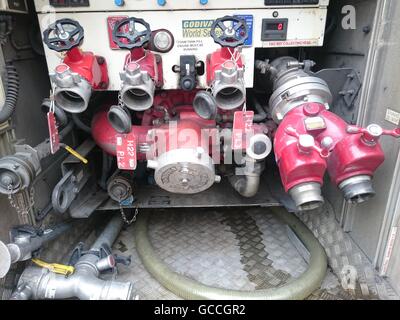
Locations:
218 58
311 140
89 66
149 62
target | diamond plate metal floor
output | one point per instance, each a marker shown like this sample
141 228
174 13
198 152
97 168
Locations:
246 249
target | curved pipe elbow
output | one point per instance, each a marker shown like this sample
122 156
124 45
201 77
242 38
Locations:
247 186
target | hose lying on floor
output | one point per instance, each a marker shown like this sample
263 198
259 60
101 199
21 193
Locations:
186 288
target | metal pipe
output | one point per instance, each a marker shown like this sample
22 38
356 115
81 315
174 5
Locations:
261 114
247 186
84 283
110 233
248 183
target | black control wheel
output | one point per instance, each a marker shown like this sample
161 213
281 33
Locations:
230 35
127 36
63 35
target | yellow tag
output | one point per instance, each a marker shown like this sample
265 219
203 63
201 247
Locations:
75 154
54 267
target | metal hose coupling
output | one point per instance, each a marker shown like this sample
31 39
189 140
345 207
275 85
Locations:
228 88
138 88
293 86
248 182
357 189
307 196
85 282
72 92
39 283
18 171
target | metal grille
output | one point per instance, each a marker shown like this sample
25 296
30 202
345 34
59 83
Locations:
243 250
343 254
254 256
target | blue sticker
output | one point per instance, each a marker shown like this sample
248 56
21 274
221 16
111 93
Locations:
249 21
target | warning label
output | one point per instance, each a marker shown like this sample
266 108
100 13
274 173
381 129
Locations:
392 116
292 43
190 45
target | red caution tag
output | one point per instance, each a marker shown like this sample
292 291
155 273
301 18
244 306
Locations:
242 126
111 23
126 152
53 133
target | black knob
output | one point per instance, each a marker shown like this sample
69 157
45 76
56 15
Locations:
63 35
127 36
230 35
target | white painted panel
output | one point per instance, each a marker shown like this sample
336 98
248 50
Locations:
306 26
136 5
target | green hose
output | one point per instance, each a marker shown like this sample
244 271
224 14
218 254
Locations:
186 288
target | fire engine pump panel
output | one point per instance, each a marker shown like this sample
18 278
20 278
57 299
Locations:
182 104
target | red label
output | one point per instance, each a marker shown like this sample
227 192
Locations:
242 126
126 152
111 22
53 133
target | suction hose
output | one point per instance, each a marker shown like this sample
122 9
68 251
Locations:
187 288
12 81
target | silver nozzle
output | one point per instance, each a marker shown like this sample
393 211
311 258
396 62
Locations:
307 196
357 189
72 92
138 88
229 89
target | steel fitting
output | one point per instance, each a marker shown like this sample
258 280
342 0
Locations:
72 92
228 88
307 196
84 284
184 171
260 146
293 87
138 88
357 189
18 171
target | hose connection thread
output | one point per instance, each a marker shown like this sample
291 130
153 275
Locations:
138 88
229 89
357 189
72 92
307 196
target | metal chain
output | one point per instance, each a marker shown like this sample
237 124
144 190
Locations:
22 212
120 102
125 219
